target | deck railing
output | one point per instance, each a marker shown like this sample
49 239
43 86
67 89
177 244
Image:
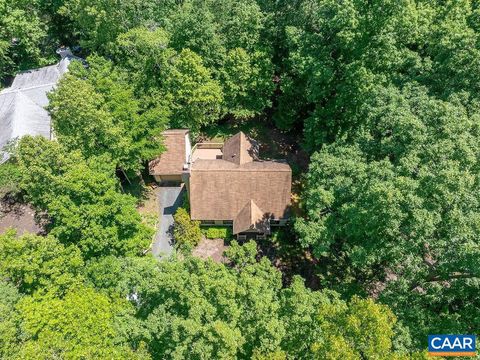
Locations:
204 145
208 145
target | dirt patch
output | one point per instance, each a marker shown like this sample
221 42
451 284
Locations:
277 144
21 217
148 204
210 249
274 143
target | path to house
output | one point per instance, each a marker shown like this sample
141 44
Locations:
169 198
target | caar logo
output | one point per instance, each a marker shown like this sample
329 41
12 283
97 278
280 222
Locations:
451 345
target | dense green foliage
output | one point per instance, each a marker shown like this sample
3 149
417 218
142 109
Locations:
23 37
141 308
102 116
391 198
397 210
79 325
208 58
339 52
9 177
186 232
35 263
81 198
387 96
198 309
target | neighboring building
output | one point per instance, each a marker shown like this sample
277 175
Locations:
228 184
22 105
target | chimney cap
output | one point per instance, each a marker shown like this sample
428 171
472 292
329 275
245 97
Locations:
64 52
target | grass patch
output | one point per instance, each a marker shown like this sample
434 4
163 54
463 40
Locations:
150 219
218 232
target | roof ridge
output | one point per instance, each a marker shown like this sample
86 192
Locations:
9 90
38 68
25 97
252 204
12 103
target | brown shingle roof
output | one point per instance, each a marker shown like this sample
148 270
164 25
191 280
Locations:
209 165
251 217
220 189
172 160
240 149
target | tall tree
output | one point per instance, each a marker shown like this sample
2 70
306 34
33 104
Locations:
230 38
201 309
177 79
37 263
95 111
81 198
23 37
398 206
9 331
98 22
82 324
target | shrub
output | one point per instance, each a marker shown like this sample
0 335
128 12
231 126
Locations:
218 232
185 202
9 178
186 232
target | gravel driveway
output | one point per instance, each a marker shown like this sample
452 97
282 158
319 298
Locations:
169 198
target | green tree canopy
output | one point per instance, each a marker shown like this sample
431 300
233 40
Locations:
98 22
82 324
95 111
201 309
230 36
399 204
338 51
37 263
9 332
23 37
81 198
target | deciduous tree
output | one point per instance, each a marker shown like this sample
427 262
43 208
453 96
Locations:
95 111
398 205
37 263
81 198
82 324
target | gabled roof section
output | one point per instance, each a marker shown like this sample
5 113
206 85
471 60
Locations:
172 160
251 218
240 149
22 105
48 75
220 189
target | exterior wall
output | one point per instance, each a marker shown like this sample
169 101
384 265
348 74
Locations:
281 222
215 223
245 236
168 178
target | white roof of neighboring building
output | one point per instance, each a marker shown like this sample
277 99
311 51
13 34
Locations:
22 105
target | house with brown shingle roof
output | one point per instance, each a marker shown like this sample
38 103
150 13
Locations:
228 184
